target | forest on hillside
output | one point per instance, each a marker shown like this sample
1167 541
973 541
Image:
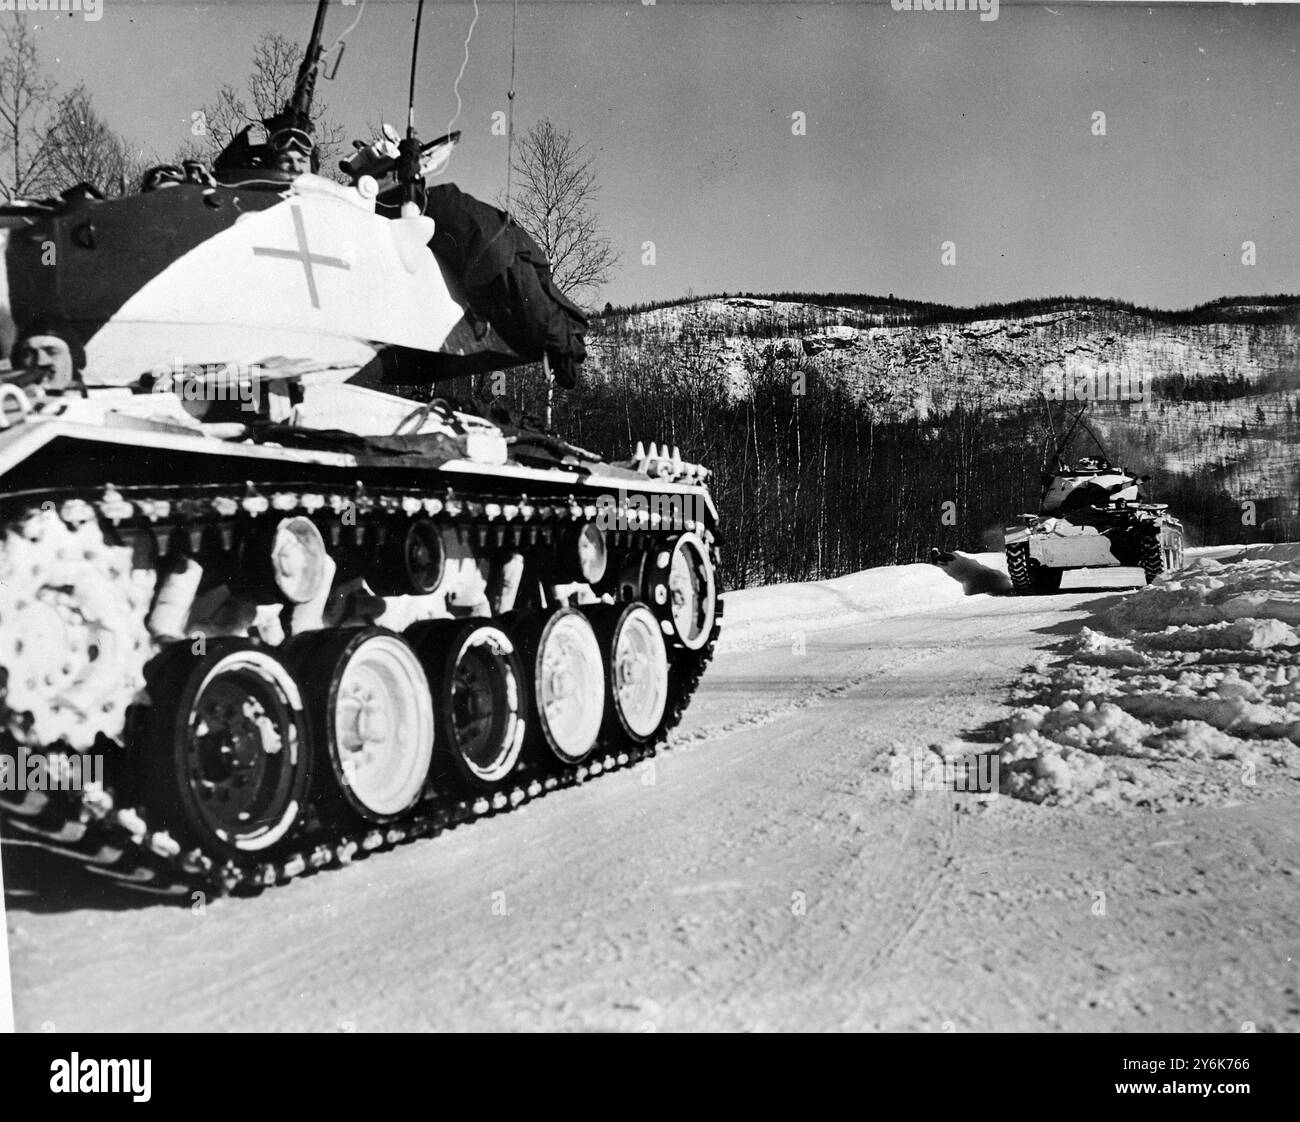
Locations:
894 311
811 482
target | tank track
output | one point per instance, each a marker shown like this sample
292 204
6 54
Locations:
117 840
1155 558
1022 581
142 859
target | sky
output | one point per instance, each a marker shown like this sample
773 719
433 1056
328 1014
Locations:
920 128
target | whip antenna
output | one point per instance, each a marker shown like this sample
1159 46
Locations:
415 51
409 149
510 105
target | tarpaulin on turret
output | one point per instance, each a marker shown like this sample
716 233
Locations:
507 280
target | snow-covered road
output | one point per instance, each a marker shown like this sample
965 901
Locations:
764 874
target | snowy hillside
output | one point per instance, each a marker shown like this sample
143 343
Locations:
940 365
1208 400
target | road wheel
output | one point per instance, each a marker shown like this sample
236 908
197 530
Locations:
371 713
637 670
567 673
228 762
478 692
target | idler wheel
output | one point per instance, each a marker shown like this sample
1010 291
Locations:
371 715
228 764
478 692
566 670
684 591
637 670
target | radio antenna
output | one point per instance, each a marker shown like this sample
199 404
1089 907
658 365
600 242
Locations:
409 149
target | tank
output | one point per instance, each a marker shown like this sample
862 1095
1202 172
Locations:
258 614
1093 515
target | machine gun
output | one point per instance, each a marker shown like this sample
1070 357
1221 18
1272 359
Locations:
289 130
297 110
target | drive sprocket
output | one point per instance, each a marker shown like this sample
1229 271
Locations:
73 644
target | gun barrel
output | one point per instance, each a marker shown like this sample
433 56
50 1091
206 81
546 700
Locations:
305 87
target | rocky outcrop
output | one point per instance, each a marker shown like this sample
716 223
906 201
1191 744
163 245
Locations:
1081 350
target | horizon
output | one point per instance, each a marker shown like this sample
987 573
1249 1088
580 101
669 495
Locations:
919 129
821 298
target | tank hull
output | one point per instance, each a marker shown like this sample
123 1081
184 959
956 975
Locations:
1142 537
176 569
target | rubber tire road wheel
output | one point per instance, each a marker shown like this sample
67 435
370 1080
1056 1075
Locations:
565 669
197 780
371 716
636 671
479 700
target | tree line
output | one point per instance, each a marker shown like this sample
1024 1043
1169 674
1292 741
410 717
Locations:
811 480
892 311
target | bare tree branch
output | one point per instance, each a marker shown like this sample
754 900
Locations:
83 149
553 203
27 110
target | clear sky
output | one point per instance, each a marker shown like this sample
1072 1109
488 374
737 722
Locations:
921 128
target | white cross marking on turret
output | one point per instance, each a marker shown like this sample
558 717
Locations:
303 253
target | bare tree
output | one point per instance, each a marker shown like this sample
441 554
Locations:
276 59
553 202
26 114
192 149
82 148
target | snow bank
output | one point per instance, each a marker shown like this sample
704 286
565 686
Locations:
1187 692
757 617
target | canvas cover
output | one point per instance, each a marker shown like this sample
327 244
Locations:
507 279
